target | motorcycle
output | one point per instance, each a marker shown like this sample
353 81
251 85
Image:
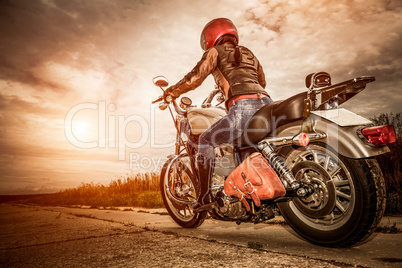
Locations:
323 155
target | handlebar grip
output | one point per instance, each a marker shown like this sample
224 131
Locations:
158 100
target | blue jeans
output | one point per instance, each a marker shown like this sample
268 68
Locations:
230 127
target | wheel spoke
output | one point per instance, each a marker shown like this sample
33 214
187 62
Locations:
303 158
341 183
340 206
190 210
315 156
329 217
326 163
335 171
341 194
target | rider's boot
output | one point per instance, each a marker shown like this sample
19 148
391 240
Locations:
205 170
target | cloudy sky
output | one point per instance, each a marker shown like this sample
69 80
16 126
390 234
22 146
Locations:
76 76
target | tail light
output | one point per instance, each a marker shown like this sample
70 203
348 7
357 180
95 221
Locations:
381 135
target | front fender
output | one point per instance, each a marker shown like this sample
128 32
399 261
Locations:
343 139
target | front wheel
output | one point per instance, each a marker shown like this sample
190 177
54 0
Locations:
348 199
177 183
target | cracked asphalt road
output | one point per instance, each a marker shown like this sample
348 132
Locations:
33 236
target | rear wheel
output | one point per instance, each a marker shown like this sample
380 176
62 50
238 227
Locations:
179 190
348 199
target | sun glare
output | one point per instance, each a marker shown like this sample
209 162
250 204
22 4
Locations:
81 128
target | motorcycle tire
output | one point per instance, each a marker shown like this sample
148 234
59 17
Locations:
182 214
348 200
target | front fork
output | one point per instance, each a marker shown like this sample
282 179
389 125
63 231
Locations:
284 173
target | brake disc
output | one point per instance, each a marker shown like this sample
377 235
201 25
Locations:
322 201
177 188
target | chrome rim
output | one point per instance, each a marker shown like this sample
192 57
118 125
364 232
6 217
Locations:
338 181
178 181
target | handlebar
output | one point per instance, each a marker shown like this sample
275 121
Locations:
167 101
158 100
207 102
170 100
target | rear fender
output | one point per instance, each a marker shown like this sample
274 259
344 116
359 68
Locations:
343 139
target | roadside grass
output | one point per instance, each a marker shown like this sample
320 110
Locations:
391 166
140 190
254 245
388 229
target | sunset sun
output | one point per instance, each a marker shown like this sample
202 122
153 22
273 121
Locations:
81 128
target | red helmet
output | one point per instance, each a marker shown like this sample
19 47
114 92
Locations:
214 30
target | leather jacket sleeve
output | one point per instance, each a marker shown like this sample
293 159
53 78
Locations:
261 76
193 79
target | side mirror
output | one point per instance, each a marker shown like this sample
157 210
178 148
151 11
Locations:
160 81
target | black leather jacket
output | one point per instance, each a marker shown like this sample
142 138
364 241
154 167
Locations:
235 68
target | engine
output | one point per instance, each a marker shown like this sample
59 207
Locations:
231 208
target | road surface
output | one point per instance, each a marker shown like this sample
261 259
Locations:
33 236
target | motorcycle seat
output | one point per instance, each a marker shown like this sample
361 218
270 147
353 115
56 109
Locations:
272 116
